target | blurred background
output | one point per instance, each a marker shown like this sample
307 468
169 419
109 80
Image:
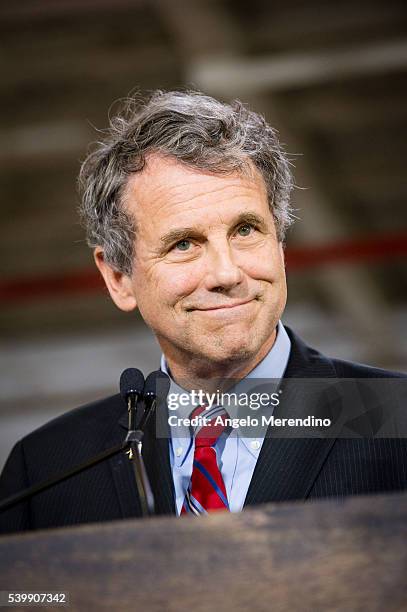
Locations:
331 77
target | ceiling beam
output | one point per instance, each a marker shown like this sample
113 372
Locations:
241 75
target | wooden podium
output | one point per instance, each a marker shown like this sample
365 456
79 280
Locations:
319 556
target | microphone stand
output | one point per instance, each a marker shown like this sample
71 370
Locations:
46 484
134 444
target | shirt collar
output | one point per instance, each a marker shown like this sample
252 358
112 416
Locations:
275 362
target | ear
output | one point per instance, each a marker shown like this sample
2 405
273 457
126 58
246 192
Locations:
119 285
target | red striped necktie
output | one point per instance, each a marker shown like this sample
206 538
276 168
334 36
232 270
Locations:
206 491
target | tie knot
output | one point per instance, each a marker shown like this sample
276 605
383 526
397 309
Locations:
212 424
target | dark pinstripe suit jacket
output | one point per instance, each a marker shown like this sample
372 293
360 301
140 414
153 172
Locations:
287 469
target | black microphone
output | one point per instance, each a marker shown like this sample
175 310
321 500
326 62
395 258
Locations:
131 389
157 384
156 387
131 381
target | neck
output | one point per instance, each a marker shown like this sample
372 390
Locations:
195 373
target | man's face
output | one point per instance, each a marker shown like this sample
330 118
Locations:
208 275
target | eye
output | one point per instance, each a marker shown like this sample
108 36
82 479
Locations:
183 245
245 230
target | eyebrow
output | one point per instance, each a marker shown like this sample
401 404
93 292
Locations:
176 235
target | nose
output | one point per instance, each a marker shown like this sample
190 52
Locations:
223 272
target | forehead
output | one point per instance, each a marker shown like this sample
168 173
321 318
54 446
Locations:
167 191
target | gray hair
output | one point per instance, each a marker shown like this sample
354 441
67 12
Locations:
196 130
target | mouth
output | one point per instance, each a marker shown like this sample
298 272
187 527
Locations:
224 307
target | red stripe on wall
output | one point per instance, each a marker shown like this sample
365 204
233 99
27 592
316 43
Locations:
82 281
371 249
352 251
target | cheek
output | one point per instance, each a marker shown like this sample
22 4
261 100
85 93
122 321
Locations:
167 284
268 266
181 280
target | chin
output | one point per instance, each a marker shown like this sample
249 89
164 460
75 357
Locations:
228 354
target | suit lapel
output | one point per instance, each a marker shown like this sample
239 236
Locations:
287 467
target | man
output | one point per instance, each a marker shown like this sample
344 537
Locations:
186 205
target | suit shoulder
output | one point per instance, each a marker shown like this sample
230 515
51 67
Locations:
96 416
350 369
305 361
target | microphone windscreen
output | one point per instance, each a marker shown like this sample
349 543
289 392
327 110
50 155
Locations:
131 381
157 384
